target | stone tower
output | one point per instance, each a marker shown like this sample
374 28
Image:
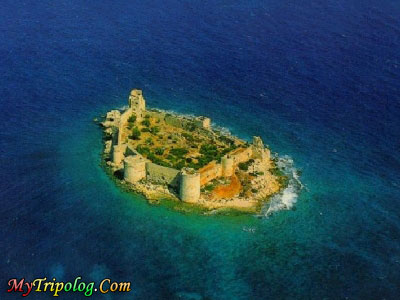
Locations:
134 168
189 185
258 147
118 153
227 166
203 122
137 104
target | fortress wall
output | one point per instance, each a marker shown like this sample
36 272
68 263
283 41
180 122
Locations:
175 121
122 131
210 172
162 175
241 155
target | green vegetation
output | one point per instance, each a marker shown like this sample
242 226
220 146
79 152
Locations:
209 153
145 151
209 187
145 129
147 116
136 133
154 130
179 165
132 119
191 127
226 140
188 136
209 150
244 166
277 172
149 141
146 123
256 173
179 152
159 151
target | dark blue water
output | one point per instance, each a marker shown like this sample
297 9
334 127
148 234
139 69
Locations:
318 80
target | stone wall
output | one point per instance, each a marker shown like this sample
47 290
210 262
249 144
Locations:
241 155
182 122
162 175
210 172
176 121
122 128
228 166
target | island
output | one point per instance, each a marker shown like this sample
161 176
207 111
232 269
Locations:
164 155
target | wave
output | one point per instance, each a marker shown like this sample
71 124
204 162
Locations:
287 198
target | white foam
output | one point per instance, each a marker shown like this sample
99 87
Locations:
288 197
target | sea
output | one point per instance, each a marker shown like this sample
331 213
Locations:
318 80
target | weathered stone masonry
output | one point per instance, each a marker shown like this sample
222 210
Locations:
187 181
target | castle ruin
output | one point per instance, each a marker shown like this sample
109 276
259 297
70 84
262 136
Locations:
188 182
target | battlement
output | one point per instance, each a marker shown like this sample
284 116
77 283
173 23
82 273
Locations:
183 138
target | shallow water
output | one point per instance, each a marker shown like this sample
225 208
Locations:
317 80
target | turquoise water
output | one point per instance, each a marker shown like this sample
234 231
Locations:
317 80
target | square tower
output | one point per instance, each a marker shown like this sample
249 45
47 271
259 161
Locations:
137 104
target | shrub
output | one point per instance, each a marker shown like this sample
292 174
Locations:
146 123
243 166
132 119
209 187
155 130
188 136
179 152
208 149
254 191
171 158
136 133
180 164
159 151
143 150
149 141
145 129
191 127
147 116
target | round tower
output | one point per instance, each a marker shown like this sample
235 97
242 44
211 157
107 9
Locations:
118 154
227 166
189 185
134 168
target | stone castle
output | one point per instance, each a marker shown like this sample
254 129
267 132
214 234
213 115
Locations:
187 182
